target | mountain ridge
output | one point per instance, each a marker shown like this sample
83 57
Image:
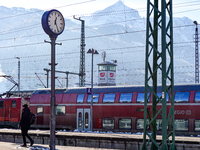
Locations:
122 36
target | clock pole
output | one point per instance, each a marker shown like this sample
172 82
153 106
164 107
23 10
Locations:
53 99
53 24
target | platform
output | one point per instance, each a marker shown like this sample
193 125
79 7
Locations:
14 146
94 140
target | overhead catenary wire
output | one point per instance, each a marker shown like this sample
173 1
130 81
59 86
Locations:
124 62
133 70
78 38
20 37
187 4
111 49
131 76
12 16
105 13
26 28
96 36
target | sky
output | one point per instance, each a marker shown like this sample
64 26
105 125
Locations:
187 8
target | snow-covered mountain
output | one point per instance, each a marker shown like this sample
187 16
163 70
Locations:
118 30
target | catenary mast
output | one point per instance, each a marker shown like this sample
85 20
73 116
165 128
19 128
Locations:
159 60
82 54
196 53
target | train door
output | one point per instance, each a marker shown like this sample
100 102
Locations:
83 119
7 109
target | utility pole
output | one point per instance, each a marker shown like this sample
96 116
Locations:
196 54
92 51
156 61
82 54
47 70
18 75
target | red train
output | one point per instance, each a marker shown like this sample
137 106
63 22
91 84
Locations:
10 110
115 108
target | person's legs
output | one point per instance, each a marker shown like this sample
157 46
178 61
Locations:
24 136
28 136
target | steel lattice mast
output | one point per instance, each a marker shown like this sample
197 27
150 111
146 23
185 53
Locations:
159 59
82 54
196 54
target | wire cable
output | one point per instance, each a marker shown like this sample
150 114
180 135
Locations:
8 17
105 13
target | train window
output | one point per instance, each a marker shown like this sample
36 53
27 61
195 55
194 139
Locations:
140 98
197 97
125 124
59 91
80 98
60 110
181 97
125 97
140 124
108 123
109 98
13 104
43 92
80 120
159 124
1 104
39 110
86 120
181 124
197 125
95 98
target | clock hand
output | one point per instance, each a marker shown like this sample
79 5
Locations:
55 23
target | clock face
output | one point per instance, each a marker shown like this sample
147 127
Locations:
56 22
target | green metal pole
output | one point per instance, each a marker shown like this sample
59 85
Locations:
144 146
164 77
155 55
172 78
156 60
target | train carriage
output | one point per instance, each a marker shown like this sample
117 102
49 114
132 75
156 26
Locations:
115 108
10 110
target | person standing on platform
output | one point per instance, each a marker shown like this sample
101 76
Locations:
25 125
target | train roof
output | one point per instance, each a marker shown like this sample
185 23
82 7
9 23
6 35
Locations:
114 89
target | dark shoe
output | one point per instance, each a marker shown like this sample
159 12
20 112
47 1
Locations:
32 142
23 146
